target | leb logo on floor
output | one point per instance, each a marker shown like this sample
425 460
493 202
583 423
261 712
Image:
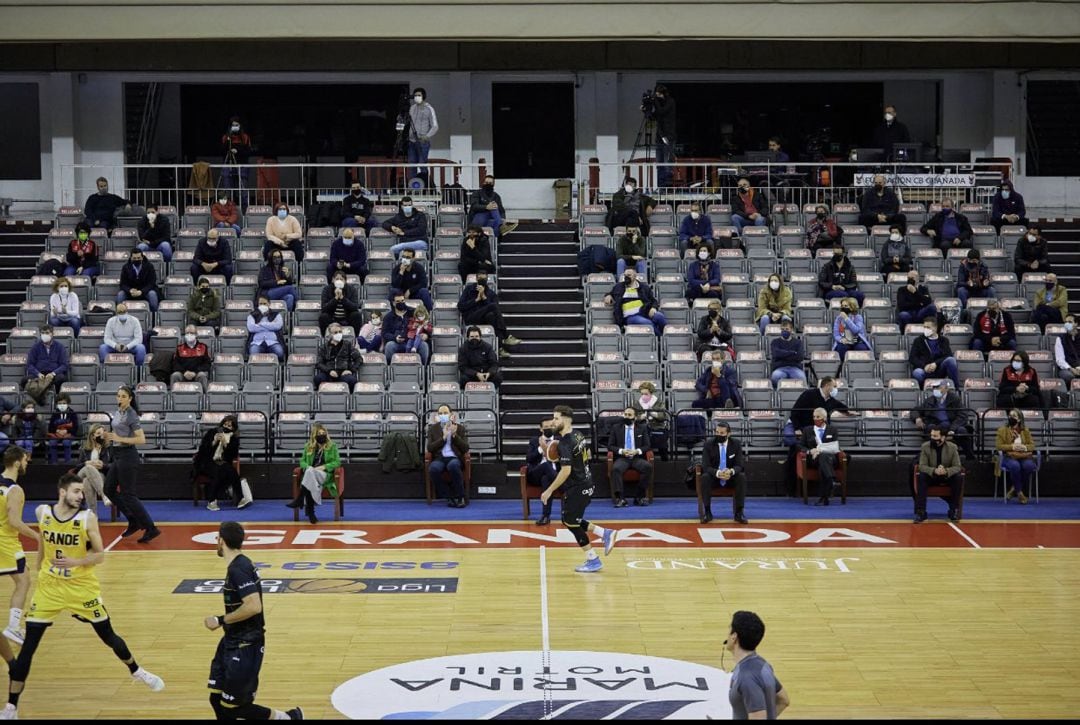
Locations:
373 585
527 685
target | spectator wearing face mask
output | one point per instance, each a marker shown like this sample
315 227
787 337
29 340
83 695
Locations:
949 229
838 278
943 407
773 302
823 232
749 207
225 214
895 253
703 278
993 329
718 385
1007 207
448 444
46 365
1017 448
539 470
283 231
1031 253
64 307
849 329
95 455
369 339
635 303
27 430
695 230
191 360
340 303
215 459
155 232
409 278
631 252
825 395
317 463
100 208
713 331
138 281
123 333
348 254
786 354
213 255
1050 304
63 428
1019 384
479 305
630 207
973 279
264 325
880 205
486 209
1067 351
236 145
723 464
913 302
410 226
204 304
630 444
475 255
276 281
889 132
939 464
419 334
477 360
356 210
395 327
82 253
931 355
424 124
650 409
339 359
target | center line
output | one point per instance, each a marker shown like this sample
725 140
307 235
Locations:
968 538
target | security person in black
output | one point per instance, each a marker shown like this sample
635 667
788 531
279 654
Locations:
574 471
234 672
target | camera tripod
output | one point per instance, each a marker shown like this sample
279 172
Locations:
644 140
230 169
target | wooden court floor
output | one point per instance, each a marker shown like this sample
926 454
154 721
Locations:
864 619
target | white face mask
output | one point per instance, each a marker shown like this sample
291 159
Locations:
64 290
1017 365
122 317
282 214
337 336
406 210
1031 238
703 254
418 99
190 338
235 128
151 217
46 338
347 241
629 188
695 215
774 285
210 242
264 308
895 237
1069 327
889 117
223 202
339 284
62 407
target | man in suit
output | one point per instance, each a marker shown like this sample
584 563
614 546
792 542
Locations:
723 464
939 463
813 437
630 442
540 471
448 443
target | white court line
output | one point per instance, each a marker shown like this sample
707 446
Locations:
114 543
968 538
545 632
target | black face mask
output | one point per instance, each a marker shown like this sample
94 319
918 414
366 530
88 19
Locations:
821 215
628 421
940 442
628 280
474 342
226 430
278 261
721 439
838 258
879 187
1014 420
400 306
489 188
320 439
356 192
205 290
481 281
548 432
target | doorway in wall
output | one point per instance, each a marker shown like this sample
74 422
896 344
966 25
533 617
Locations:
533 130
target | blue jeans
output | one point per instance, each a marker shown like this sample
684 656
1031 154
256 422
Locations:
834 293
139 351
261 347
164 247
739 221
73 322
417 245
789 435
963 293
665 154
224 225
620 267
457 477
420 347
906 318
491 219
284 292
56 442
151 298
786 373
69 271
1019 470
843 349
391 347
946 369
374 346
418 153
657 321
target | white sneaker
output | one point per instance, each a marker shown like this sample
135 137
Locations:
212 506
14 635
106 501
155 683
9 712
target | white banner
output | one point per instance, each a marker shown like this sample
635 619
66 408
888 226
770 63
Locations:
919 180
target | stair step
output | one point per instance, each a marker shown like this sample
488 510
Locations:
532 332
534 259
532 295
543 403
544 283
534 271
542 374
540 319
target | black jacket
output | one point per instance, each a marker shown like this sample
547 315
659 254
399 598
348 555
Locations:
221 254
993 331
618 438
802 413
161 231
831 274
204 458
413 280
954 408
937 222
352 295
645 294
886 134
808 438
268 278
145 280
342 357
357 206
467 303
907 301
888 203
920 355
479 359
710 457
415 226
705 335
479 199
1026 253
475 259
760 202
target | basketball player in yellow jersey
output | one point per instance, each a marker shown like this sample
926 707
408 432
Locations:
71 548
12 558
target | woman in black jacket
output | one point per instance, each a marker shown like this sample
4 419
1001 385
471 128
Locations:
713 331
475 253
216 459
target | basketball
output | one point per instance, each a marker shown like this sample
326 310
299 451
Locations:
552 451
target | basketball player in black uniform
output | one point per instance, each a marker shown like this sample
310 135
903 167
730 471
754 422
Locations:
574 472
234 673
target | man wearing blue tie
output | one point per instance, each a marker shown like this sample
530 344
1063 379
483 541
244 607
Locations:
630 444
821 444
722 464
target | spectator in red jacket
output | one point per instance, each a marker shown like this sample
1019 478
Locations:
225 214
191 361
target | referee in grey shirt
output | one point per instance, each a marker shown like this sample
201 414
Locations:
123 476
755 693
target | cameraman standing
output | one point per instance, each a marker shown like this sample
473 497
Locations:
236 144
664 114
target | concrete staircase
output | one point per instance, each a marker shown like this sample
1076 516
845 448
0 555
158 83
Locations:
21 243
1063 246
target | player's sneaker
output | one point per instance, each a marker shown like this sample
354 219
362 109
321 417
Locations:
212 506
14 635
9 712
155 683
590 565
609 540
295 714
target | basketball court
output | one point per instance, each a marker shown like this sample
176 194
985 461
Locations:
865 618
